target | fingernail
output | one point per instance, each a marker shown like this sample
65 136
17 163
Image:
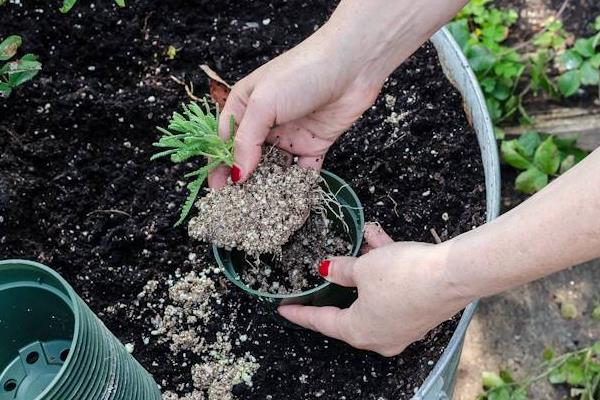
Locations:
324 268
236 174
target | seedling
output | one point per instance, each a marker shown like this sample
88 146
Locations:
15 73
191 134
539 157
68 4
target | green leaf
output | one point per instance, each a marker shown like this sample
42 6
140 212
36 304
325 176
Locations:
575 374
480 58
120 3
67 5
546 157
531 180
548 354
5 89
491 380
595 61
499 133
460 31
569 82
506 376
23 70
529 142
589 74
499 394
596 316
570 60
494 108
568 310
519 394
9 47
567 163
596 348
501 92
512 156
557 377
585 47
565 142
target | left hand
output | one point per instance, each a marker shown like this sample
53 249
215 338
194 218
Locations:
403 292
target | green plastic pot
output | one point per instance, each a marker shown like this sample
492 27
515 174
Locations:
55 348
326 294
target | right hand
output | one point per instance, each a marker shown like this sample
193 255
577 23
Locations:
301 101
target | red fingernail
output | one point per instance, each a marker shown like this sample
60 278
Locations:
324 268
236 174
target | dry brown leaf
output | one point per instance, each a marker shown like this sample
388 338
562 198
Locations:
219 89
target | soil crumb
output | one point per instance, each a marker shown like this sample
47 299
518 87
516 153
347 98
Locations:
296 271
193 300
260 215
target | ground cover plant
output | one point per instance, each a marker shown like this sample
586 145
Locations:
77 191
552 63
16 72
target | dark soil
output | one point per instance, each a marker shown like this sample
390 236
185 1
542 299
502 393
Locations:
78 193
295 270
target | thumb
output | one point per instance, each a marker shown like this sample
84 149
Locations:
338 270
254 128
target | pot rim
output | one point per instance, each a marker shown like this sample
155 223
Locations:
276 296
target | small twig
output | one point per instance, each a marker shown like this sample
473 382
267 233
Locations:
111 211
10 132
188 89
395 205
436 237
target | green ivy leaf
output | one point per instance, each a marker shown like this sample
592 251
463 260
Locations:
569 82
546 157
480 58
501 92
570 60
589 74
9 47
120 3
531 180
529 142
511 154
585 47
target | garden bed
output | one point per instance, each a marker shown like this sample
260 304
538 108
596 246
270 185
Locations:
78 193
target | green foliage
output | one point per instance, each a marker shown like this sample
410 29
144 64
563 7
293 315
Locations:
16 72
580 63
579 371
68 4
195 134
508 73
596 313
539 157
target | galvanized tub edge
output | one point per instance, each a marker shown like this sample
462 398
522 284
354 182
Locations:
439 385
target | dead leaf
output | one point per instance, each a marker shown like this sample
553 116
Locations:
219 89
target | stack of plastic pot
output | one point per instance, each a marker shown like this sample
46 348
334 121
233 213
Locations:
53 347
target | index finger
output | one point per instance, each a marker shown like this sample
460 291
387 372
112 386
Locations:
330 321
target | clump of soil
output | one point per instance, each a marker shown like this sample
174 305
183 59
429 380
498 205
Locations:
296 271
260 215
192 303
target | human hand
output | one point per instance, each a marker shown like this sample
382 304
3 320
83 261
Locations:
403 292
301 101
